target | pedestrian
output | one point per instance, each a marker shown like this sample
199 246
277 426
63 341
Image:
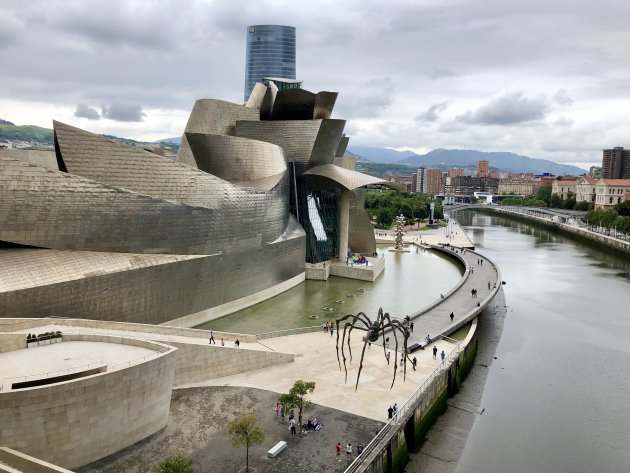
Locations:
472 293
332 329
488 285
395 408
349 449
278 407
481 262
414 362
359 449
387 342
478 304
338 450
452 316
282 413
434 352
222 342
325 327
390 412
212 339
442 355
411 327
441 296
292 426
387 357
237 343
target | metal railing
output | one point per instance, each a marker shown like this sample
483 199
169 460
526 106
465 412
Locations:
400 417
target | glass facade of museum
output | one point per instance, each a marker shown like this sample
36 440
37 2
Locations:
270 53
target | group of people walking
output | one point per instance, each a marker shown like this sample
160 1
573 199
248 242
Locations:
328 327
212 341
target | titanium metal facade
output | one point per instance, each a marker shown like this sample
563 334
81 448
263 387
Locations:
270 53
119 233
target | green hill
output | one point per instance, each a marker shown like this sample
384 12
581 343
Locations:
26 133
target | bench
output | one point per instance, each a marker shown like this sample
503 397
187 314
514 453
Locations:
276 449
415 347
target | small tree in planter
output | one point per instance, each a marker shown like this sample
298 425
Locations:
245 430
296 398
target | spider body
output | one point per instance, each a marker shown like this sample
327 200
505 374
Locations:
375 329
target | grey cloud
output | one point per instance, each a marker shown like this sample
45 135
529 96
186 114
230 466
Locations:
442 73
123 112
563 122
85 111
432 112
369 100
508 109
562 98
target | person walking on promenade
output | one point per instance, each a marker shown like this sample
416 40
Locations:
411 327
452 316
278 407
434 352
212 339
348 449
390 412
414 363
338 450
237 343
488 285
359 449
222 342
292 426
395 408
332 329
442 355
282 413
325 327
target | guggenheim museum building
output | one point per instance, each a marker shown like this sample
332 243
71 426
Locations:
258 193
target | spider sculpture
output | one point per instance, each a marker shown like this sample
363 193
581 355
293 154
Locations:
374 330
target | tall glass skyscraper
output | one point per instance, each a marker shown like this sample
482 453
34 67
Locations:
270 53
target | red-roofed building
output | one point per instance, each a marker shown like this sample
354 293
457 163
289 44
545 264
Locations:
564 189
585 190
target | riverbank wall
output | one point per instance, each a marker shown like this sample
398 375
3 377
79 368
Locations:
405 434
580 233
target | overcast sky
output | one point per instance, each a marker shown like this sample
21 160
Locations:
548 79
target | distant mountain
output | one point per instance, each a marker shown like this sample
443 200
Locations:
177 140
26 133
379 155
503 161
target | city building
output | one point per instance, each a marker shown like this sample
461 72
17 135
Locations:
616 163
564 189
270 54
516 186
256 192
543 180
433 181
610 192
585 190
453 172
468 185
482 168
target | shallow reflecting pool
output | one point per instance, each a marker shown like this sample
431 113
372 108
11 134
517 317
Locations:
410 281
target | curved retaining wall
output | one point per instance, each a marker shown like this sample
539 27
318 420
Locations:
80 421
406 431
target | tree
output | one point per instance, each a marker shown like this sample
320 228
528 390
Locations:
296 398
544 193
244 430
555 201
623 209
176 464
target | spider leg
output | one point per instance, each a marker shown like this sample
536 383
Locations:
341 319
390 324
356 386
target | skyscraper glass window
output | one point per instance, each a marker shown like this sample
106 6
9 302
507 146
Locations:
270 53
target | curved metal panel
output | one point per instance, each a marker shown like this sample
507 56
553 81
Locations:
345 178
293 104
85 215
361 233
236 159
343 144
218 117
324 104
296 138
327 142
257 96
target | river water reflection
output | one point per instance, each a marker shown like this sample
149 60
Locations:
556 398
410 281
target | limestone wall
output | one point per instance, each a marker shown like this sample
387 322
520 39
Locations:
12 341
19 462
200 362
77 422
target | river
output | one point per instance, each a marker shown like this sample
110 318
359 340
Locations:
556 397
